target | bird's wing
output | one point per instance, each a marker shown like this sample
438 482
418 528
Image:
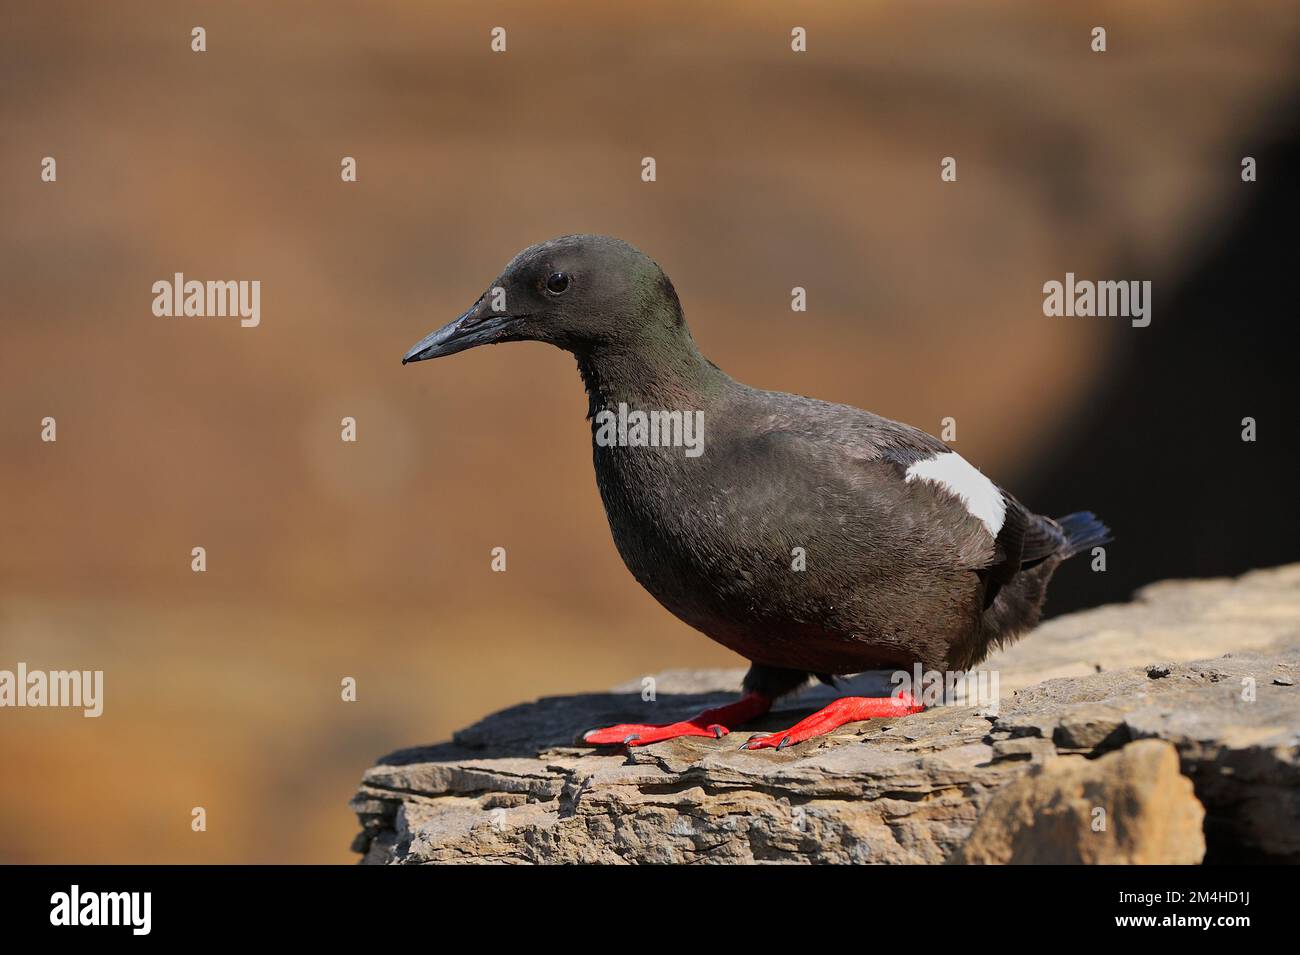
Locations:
1008 536
915 498
969 504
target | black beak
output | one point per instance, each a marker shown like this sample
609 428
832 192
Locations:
478 326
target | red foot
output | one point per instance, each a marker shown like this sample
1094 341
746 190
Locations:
848 710
709 723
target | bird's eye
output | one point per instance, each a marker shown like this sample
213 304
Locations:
557 283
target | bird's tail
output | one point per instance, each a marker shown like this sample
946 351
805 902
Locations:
1082 532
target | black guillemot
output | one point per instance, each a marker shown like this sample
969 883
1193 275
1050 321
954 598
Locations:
910 554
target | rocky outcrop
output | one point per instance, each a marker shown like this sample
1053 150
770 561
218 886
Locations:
1060 813
1066 749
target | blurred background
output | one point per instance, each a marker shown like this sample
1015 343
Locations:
329 560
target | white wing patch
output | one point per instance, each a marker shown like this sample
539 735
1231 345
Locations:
958 476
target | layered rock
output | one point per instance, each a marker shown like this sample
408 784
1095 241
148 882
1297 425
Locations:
1027 783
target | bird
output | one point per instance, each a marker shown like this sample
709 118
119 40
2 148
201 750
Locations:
903 552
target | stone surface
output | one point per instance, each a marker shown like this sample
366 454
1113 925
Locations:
514 788
1132 806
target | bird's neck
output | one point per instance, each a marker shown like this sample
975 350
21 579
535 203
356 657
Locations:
660 371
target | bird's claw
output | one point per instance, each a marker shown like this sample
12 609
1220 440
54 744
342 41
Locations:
644 734
711 724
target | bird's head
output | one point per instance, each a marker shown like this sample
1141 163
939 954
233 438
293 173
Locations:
578 292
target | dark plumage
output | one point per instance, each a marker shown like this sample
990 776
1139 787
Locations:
899 567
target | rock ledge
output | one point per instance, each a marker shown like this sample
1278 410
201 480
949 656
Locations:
1060 774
